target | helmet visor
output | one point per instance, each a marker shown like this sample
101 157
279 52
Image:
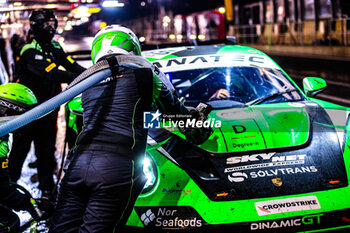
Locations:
50 24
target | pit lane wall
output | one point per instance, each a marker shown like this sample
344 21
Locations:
328 62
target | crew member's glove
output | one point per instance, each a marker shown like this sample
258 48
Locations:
196 114
198 135
46 206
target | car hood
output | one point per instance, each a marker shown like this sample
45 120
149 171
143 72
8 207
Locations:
260 127
298 151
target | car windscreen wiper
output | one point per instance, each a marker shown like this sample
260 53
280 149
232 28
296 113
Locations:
264 98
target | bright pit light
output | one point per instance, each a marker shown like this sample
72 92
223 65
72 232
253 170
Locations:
68 27
166 19
165 24
17 4
61 40
84 19
143 4
111 3
222 10
59 30
171 36
192 37
82 10
179 37
201 37
142 39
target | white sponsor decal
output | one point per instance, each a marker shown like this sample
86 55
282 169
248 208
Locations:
147 217
214 60
275 224
242 176
287 205
263 165
285 223
264 156
109 79
282 160
249 158
275 161
160 53
12 106
237 177
166 218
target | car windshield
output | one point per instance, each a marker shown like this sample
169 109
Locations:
226 87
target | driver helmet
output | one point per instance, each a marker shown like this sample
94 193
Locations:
43 24
112 40
15 99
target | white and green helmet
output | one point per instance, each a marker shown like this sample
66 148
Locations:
114 39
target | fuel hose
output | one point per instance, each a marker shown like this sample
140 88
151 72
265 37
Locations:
88 78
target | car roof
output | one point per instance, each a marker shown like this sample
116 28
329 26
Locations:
208 56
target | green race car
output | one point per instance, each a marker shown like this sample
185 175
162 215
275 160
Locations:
276 159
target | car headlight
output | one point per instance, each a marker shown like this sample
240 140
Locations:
150 170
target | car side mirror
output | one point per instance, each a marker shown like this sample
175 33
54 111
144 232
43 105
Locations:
313 85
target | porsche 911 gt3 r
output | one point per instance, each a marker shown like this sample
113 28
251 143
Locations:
276 159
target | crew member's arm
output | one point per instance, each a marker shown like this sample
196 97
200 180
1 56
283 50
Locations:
66 61
166 102
9 196
45 69
169 104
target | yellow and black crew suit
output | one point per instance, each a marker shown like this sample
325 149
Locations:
39 70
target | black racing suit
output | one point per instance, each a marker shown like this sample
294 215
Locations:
38 70
10 198
106 175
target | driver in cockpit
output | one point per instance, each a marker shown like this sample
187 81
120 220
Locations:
220 94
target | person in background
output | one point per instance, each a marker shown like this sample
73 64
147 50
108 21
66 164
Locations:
16 44
38 70
15 99
3 53
105 175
